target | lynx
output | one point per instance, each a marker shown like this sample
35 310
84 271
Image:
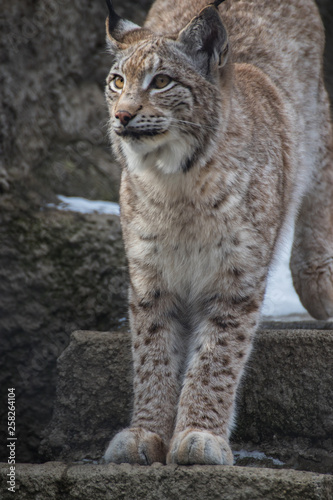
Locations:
221 122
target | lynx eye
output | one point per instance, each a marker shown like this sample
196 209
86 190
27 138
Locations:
161 81
117 83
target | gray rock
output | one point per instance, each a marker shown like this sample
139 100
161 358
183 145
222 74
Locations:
59 271
286 398
48 54
53 481
285 401
53 121
94 391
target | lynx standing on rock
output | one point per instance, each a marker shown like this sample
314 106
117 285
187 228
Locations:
221 121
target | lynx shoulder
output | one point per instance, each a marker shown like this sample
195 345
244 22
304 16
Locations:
220 119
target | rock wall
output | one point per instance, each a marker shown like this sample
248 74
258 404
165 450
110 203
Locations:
53 124
58 272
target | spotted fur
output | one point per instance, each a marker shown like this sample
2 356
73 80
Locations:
216 164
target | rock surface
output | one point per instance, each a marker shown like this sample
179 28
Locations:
59 271
56 481
53 122
285 401
94 390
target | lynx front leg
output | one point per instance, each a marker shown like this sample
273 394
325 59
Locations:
206 407
156 359
312 255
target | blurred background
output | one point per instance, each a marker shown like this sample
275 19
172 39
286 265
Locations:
60 270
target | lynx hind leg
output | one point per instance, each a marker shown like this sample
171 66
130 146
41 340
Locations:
312 254
135 446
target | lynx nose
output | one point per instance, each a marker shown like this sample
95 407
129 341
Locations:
124 117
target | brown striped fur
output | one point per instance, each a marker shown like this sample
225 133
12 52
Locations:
215 167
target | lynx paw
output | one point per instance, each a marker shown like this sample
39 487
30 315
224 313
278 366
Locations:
135 446
199 447
314 286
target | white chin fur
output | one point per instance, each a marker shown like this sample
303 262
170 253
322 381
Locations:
166 153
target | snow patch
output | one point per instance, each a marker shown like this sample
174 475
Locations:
84 206
281 298
257 455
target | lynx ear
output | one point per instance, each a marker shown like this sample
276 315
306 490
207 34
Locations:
117 29
205 40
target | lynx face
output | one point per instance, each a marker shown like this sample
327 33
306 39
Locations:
154 90
151 107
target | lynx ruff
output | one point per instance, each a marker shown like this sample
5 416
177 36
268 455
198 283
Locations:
220 119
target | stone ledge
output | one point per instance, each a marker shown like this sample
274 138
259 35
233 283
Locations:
285 404
55 481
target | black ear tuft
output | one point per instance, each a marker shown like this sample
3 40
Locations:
117 28
217 3
205 40
113 16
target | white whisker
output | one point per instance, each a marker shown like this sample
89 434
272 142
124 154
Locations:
176 121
